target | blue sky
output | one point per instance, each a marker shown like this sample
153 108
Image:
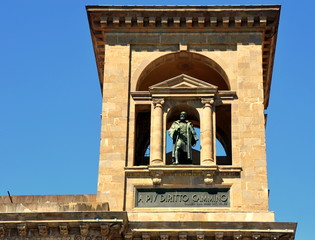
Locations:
50 103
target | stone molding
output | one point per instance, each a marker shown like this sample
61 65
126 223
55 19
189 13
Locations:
185 86
183 170
221 96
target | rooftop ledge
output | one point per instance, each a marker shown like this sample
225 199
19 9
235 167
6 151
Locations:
178 7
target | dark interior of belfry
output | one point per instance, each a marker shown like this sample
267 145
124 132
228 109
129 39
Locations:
169 66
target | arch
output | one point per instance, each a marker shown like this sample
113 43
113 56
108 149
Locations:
174 64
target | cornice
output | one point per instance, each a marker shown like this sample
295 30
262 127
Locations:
62 225
182 7
212 230
105 21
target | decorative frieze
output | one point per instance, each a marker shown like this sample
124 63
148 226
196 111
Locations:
200 236
42 230
182 236
105 229
146 236
250 21
201 21
100 225
84 229
63 229
238 21
128 236
22 231
164 236
219 236
237 236
256 236
1 231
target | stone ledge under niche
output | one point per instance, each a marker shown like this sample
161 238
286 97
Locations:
209 173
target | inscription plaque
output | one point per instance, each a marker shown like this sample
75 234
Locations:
182 197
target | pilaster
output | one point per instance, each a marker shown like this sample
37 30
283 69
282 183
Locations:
114 131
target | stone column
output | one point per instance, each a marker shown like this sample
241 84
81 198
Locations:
207 133
156 145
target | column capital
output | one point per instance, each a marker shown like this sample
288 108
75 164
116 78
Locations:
158 102
208 102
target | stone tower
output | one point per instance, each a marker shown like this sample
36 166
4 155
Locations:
154 62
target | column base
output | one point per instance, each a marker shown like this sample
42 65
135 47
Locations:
156 162
207 162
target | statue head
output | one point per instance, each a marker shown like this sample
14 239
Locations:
183 116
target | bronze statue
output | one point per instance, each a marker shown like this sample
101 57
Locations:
184 137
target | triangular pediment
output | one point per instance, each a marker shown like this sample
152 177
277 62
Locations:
183 81
183 84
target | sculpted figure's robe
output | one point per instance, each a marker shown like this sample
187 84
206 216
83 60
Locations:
184 137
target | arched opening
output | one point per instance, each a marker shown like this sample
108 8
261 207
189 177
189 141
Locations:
220 151
142 135
223 134
168 67
174 64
